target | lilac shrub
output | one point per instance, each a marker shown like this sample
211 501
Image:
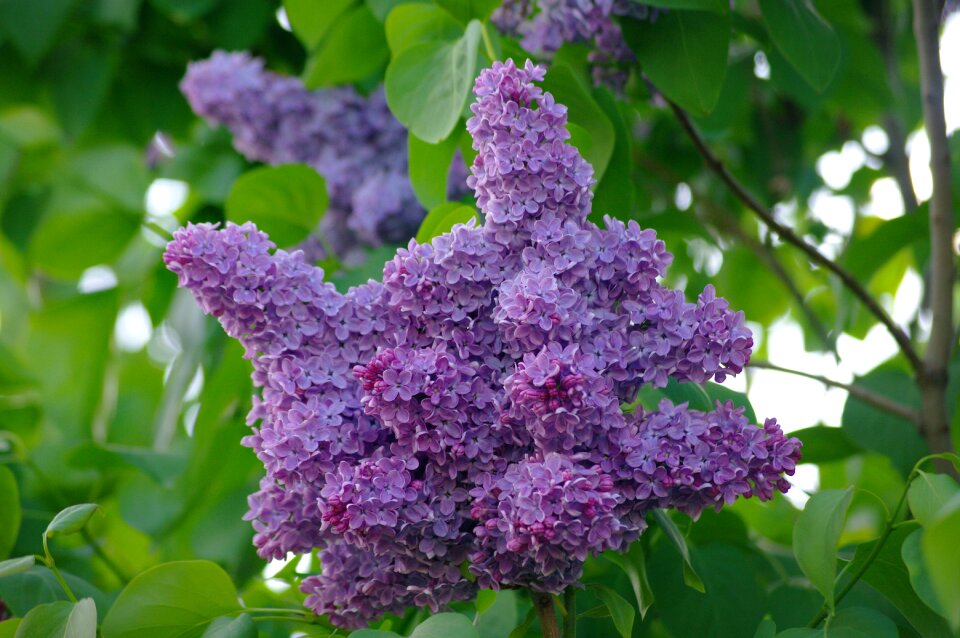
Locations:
544 26
352 140
467 409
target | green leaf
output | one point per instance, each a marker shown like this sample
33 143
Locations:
717 6
445 625
443 218
690 576
767 629
411 24
427 84
928 494
10 512
285 201
804 38
8 628
467 10
172 599
583 111
614 194
310 20
942 560
860 622
684 54
621 611
382 8
734 603
16 565
485 600
816 535
429 167
336 61
32 25
889 575
500 619
634 565
877 430
822 444
912 554
867 253
374 633
520 631
229 627
60 620
81 76
25 590
71 519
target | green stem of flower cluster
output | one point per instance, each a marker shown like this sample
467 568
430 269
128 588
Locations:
543 604
570 621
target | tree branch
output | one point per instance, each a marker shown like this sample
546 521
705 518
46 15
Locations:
859 392
787 235
933 380
543 603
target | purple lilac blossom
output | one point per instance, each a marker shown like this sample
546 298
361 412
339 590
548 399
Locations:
466 409
351 140
546 25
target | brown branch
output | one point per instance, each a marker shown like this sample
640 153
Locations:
933 380
859 392
543 603
787 235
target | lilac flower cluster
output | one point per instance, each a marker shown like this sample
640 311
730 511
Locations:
350 139
467 408
546 25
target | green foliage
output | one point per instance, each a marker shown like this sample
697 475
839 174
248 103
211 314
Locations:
443 218
178 598
152 436
285 201
60 620
816 535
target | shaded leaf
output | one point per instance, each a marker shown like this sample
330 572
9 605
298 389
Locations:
634 565
805 39
10 512
816 535
928 494
621 611
684 54
690 576
335 61
229 627
443 218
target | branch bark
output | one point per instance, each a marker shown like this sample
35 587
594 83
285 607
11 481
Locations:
934 376
787 235
543 603
876 400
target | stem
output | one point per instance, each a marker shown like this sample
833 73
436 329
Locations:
934 377
570 622
52 566
787 235
867 396
543 603
158 229
487 43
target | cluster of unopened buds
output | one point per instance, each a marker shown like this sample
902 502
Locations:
467 409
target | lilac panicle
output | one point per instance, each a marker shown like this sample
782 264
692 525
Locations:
546 25
350 139
467 409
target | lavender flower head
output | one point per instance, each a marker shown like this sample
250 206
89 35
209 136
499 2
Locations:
546 25
466 409
351 140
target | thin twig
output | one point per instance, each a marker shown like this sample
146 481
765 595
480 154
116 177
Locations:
859 392
933 381
787 235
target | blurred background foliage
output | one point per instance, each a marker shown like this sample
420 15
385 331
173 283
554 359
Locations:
115 390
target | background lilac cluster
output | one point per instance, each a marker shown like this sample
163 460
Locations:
467 408
546 25
352 140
